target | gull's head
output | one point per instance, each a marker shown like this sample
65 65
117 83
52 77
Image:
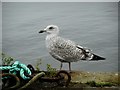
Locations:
50 29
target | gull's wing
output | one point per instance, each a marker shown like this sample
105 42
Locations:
67 50
89 55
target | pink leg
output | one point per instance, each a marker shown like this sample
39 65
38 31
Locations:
69 66
61 66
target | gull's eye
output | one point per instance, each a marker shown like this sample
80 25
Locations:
51 28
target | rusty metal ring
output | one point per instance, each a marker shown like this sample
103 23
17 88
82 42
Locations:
17 80
31 68
64 82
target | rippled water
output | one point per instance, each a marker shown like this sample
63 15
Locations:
93 25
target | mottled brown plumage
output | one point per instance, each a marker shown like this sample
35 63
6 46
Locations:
63 49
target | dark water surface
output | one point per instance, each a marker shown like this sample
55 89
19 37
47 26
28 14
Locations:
93 25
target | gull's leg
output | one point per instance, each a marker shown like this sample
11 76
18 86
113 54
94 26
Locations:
61 66
69 66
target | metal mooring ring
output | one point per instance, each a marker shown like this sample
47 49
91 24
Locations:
17 80
63 74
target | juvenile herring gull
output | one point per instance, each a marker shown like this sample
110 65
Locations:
64 50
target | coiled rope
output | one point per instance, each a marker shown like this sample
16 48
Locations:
35 78
18 67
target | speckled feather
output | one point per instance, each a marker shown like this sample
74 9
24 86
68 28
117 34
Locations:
65 50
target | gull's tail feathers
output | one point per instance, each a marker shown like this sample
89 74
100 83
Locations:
97 57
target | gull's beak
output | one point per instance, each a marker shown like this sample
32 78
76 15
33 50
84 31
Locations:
42 31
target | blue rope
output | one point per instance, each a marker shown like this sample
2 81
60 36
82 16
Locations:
18 67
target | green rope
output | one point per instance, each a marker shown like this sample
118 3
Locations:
18 67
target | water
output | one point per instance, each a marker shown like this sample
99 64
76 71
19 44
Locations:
93 25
